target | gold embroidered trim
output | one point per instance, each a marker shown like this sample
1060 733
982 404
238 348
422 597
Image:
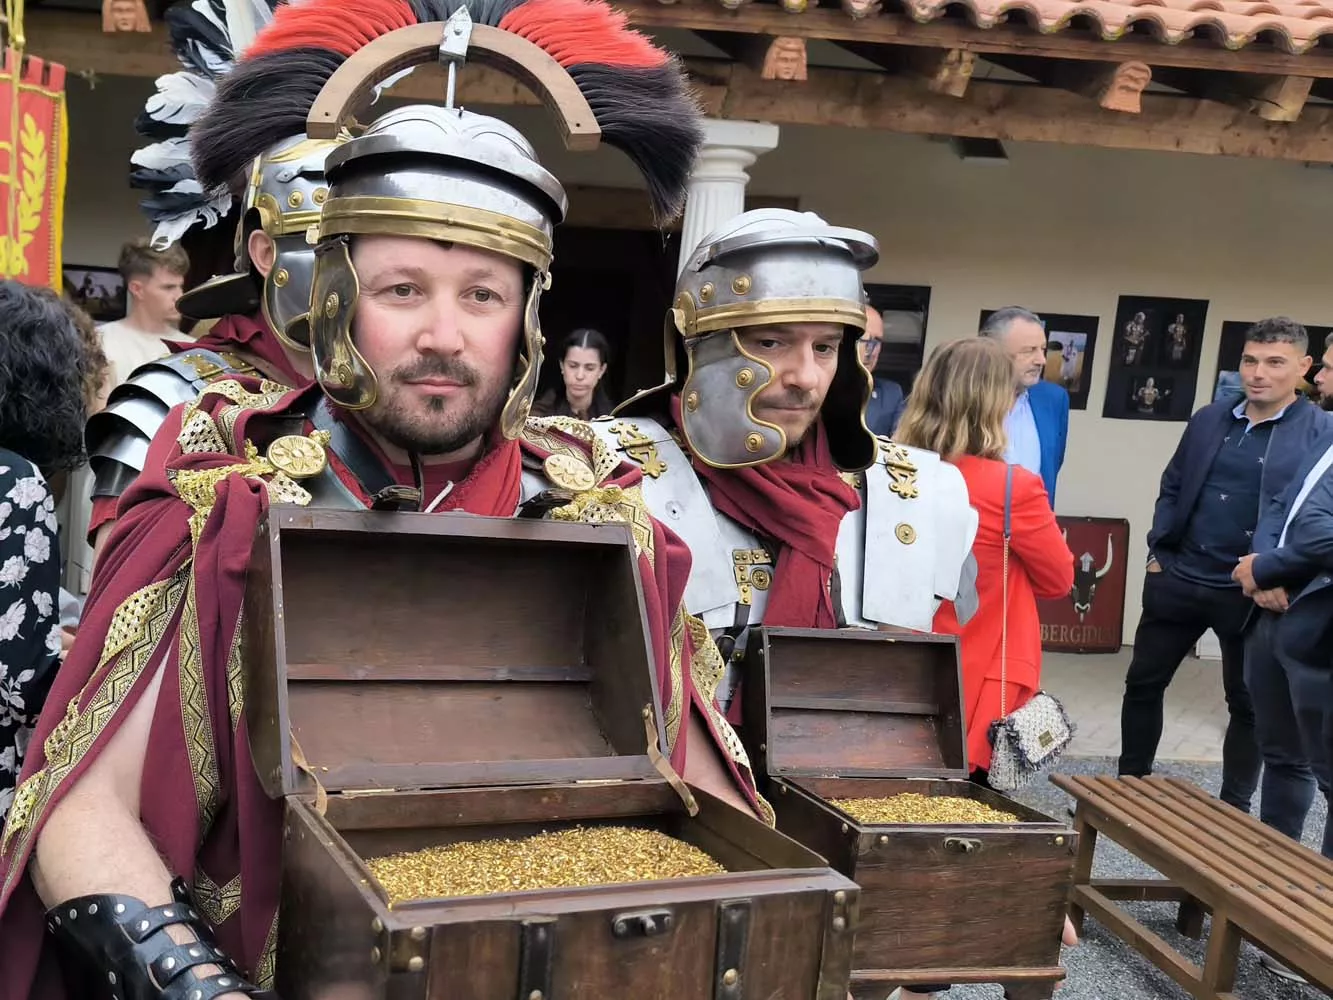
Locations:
537 431
608 505
236 675
195 721
199 434
265 969
675 663
706 671
152 608
217 903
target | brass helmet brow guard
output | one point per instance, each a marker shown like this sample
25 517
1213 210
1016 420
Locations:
438 173
767 267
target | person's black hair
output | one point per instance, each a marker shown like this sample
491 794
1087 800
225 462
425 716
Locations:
587 337
42 368
1279 330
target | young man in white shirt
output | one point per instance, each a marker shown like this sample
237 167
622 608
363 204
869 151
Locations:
154 281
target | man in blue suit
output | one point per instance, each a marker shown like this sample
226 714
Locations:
1289 648
1038 424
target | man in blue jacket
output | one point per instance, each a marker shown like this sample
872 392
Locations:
1039 422
1289 648
1235 457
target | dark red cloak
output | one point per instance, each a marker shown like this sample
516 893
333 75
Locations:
212 822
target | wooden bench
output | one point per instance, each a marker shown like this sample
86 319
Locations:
1257 884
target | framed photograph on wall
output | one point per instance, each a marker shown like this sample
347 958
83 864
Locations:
1155 348
1230 347
98 291
1070 341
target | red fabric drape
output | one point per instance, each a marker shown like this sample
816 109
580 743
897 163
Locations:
800 502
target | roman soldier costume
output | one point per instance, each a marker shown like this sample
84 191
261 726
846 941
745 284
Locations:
260 321
843 530
170 587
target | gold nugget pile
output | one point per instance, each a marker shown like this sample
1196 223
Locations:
602 855
912 807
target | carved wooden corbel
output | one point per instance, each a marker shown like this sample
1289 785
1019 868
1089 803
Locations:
785 60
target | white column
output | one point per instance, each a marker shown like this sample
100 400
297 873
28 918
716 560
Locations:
717 183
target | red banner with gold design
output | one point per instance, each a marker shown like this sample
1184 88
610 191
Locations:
33 149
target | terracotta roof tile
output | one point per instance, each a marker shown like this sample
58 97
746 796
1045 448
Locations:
1294 26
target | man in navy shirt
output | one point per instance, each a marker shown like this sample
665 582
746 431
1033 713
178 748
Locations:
1236 455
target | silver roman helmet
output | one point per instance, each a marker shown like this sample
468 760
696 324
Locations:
279 192
443 174
764 268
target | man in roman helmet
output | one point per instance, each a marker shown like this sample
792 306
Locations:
260 310
795 513
147 858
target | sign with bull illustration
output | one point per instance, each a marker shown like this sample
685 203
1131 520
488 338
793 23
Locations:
1091 618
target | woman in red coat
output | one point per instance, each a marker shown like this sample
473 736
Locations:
958 408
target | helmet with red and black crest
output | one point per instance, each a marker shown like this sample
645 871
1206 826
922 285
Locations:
438 171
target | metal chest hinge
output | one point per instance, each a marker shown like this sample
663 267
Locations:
733 934
835 961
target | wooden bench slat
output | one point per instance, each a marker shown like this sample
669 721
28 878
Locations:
1251 863
1239 872
1200 879
1318 867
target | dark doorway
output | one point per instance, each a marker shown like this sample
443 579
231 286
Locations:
618 281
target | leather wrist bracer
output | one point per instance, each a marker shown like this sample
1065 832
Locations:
124 942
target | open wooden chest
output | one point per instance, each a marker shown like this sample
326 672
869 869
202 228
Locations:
454 679
852 714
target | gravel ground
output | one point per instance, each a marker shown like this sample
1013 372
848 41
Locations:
1104 968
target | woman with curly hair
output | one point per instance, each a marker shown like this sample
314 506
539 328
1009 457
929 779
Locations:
42 410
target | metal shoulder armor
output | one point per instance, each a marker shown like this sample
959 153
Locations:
676 497
912 547
117 437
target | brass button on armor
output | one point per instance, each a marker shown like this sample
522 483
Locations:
706 292
281 277
753 442
320 196
692 401
331 305
745 377
295 199
569 473
761 579
740 284
298 456
906 533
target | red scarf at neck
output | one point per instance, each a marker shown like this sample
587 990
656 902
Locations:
800 501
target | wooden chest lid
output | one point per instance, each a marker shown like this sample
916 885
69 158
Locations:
854 703
395 651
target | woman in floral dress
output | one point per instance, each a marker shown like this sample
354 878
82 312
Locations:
42 410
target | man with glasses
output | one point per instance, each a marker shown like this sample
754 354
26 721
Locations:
886 404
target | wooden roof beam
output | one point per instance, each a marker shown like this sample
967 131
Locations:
1014 112
1271 98
941 71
